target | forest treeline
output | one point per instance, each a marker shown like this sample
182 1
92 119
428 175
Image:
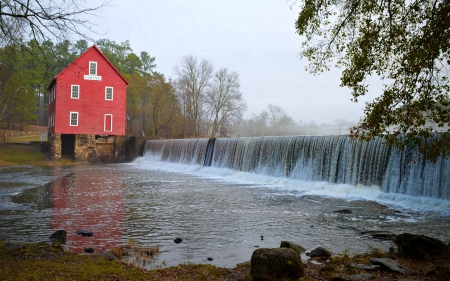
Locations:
198 102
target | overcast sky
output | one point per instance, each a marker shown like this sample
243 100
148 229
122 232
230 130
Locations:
255 38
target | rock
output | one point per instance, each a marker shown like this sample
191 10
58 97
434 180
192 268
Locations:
383 235
277 263
59 235
89 250
319 252
421 247
209 258
108 256
364 266
177 240
364 276
389 264
262 237
83 232
344 211
292 245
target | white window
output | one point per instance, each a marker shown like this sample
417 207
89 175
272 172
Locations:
92 68
109 93
73 118
53 119
75 91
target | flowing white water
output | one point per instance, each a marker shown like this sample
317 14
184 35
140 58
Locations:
328 166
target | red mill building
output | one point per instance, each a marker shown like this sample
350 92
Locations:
87 110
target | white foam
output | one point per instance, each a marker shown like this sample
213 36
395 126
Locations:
299 187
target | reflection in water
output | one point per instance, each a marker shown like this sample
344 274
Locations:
90 199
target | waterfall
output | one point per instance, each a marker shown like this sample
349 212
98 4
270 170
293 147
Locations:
334 159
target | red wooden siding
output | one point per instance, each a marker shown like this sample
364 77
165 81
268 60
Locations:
91 105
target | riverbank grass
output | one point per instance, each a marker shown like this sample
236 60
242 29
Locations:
27 154
15 154
45 262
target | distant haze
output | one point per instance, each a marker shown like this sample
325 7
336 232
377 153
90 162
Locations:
256 39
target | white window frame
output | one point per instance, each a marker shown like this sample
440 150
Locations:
106 93
71 91
53 119
104 123
70 118
93 62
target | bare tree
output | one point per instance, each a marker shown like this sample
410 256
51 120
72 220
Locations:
278 118
193 82
341 122
42 20
224 100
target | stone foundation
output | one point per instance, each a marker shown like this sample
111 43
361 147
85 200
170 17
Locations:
86 149
54 147
106 149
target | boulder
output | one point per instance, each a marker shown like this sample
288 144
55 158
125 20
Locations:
83 232
59 235
421 247
319 252
292 245
277 263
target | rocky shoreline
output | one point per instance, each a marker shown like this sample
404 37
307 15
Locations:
416 257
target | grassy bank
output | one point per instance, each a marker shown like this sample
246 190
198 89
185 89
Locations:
20 154
47 262
26 154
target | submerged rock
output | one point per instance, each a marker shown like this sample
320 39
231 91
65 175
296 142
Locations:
382 235
319 252
344 211
292 245
209 258
83 232
421 247
277 263
177 240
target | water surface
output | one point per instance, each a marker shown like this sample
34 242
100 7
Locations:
218 213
